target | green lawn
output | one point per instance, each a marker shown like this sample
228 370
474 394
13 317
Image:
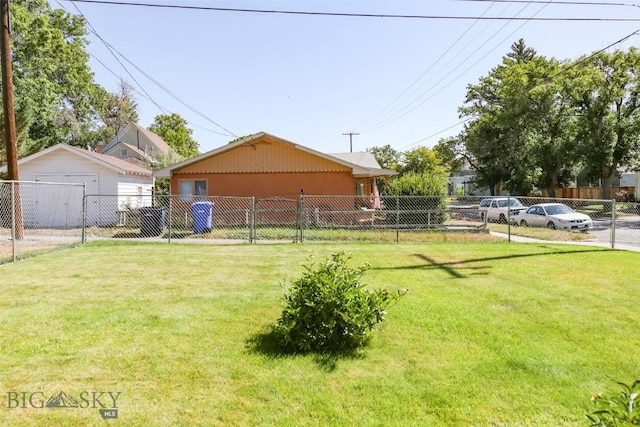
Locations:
490 334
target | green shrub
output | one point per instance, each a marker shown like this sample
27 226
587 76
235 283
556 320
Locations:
618 410
328 310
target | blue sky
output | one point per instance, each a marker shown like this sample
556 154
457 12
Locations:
310 79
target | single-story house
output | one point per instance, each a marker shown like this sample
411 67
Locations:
266 166
118 183
136 144
275 172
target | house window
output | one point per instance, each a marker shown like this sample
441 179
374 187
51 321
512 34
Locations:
124 153
190 190
360 186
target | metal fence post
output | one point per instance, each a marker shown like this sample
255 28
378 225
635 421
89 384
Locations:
252 220
84 213
509 218
170 201
397 219
613 224
13 219
301 218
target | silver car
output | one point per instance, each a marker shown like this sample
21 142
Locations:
500 208
555 216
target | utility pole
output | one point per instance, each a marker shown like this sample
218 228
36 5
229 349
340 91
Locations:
8 111
351 139
7 94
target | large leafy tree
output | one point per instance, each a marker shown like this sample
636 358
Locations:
493 136
552 127
55 95
485 152
172 128
607 100
520 135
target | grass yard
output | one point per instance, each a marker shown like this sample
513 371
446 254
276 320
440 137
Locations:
490 334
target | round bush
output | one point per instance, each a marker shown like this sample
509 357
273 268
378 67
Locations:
329 310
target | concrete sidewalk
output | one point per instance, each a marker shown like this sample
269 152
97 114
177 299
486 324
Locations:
521 239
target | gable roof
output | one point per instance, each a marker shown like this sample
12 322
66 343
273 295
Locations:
110 162
364 159
130 147
360 163
154 139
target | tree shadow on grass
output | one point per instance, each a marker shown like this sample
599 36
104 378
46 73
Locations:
454 268
267 343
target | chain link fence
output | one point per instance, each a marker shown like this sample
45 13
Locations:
40 216
612 223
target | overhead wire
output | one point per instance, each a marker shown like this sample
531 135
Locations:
564 70
183 102
561 2
350 15
395 100
115 57
369 15
412 106
111 50
405 110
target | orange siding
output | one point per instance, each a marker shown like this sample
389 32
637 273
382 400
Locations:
264 185
263 156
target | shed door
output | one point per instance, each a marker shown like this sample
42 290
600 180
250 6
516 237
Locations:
61 206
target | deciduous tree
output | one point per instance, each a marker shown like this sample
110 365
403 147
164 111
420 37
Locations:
53 84
606 97
172 128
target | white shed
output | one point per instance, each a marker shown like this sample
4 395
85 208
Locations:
111 185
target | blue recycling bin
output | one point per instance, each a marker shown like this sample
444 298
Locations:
202 213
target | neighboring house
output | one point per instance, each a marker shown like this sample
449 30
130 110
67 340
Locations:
119 183
136 144
463 184
266 166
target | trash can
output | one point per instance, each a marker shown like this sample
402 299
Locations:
202 212
151 221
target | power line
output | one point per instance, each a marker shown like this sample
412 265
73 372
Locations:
115 57
111 50
353 15
435 134
581 3
386 107
564 70
408 107
582 61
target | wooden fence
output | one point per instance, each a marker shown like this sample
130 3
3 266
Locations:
619 193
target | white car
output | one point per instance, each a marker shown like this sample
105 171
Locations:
500 208
553 215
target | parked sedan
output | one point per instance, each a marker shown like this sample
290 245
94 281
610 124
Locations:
500 208
554 216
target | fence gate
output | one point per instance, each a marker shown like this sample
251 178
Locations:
277 218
